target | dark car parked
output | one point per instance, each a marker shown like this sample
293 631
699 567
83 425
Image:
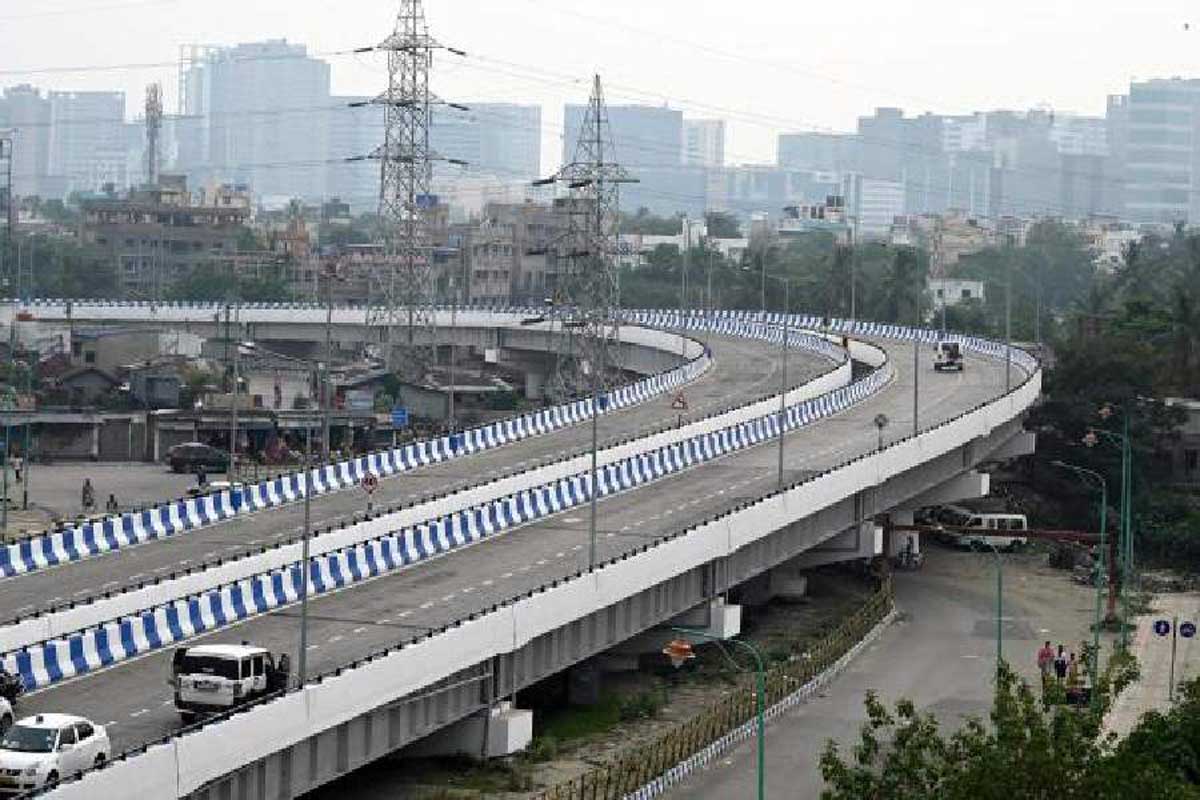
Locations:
196 456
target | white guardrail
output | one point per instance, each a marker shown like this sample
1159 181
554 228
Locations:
113 533
185 762
53 646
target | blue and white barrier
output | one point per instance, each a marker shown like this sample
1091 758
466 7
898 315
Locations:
113 533
48 662
185 762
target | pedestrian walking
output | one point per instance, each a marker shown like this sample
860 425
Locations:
1045 662
17 465
88 495
1073 681
111 506
1060 664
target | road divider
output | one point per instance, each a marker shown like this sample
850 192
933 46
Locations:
368 554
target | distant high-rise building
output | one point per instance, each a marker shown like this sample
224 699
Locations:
872 205
499 139
648 141
1162 167
27 113
704 142
262 118
824 152
86 149
354 131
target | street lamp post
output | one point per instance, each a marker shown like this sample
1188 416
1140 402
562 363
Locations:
1125 527
1103 484
680 651
783 381
999 611
302 657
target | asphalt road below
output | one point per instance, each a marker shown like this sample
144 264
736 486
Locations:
134 699
744 370
940 653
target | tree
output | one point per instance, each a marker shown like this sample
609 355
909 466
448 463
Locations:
1029 750
722 225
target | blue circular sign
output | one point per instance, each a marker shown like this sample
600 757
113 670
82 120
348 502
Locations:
1187 629
1162 627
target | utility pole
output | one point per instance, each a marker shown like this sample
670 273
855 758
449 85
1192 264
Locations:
233 406
1008 316
683 276
783 383
917 359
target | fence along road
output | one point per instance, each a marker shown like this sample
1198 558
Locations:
133 696
744 370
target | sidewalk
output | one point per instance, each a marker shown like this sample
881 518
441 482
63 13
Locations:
1154 660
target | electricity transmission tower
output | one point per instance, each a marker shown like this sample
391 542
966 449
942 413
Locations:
154 120
406 281
588 289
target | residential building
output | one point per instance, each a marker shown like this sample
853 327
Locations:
1162 177
87 146
952 291
704 142
262 118
156 236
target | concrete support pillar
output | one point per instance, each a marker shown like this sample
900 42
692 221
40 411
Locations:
715 618
535 384
902 540
500 731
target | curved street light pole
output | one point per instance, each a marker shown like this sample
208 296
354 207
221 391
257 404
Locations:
1125 528
760 691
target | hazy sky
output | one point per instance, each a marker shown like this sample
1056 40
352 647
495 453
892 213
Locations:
765 65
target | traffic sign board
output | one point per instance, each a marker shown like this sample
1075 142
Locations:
399 417
370 482
1187 629
679 403
1162 627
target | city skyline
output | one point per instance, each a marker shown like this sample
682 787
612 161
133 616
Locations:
752 75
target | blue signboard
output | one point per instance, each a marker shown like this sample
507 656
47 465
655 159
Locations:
1187 629
399 417
1162 627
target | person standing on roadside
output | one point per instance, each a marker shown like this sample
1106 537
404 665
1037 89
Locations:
88 495
17 463
1060 664
1045 662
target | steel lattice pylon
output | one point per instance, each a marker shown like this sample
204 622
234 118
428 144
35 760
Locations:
405 281
589 291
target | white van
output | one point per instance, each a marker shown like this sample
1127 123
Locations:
947 356
1005 536
216 677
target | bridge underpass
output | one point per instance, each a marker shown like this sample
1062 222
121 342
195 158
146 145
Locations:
356 622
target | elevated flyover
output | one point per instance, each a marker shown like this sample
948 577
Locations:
407 654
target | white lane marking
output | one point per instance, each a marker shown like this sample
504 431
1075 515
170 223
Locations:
559 555
404 614
448 597
506 576
337 638
313 646
426 605
359 629
139 712
488 582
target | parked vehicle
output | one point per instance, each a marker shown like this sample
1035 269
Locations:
40 750
1001 531
217 677
947 356
196 456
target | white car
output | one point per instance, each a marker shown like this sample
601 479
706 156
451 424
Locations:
40 750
